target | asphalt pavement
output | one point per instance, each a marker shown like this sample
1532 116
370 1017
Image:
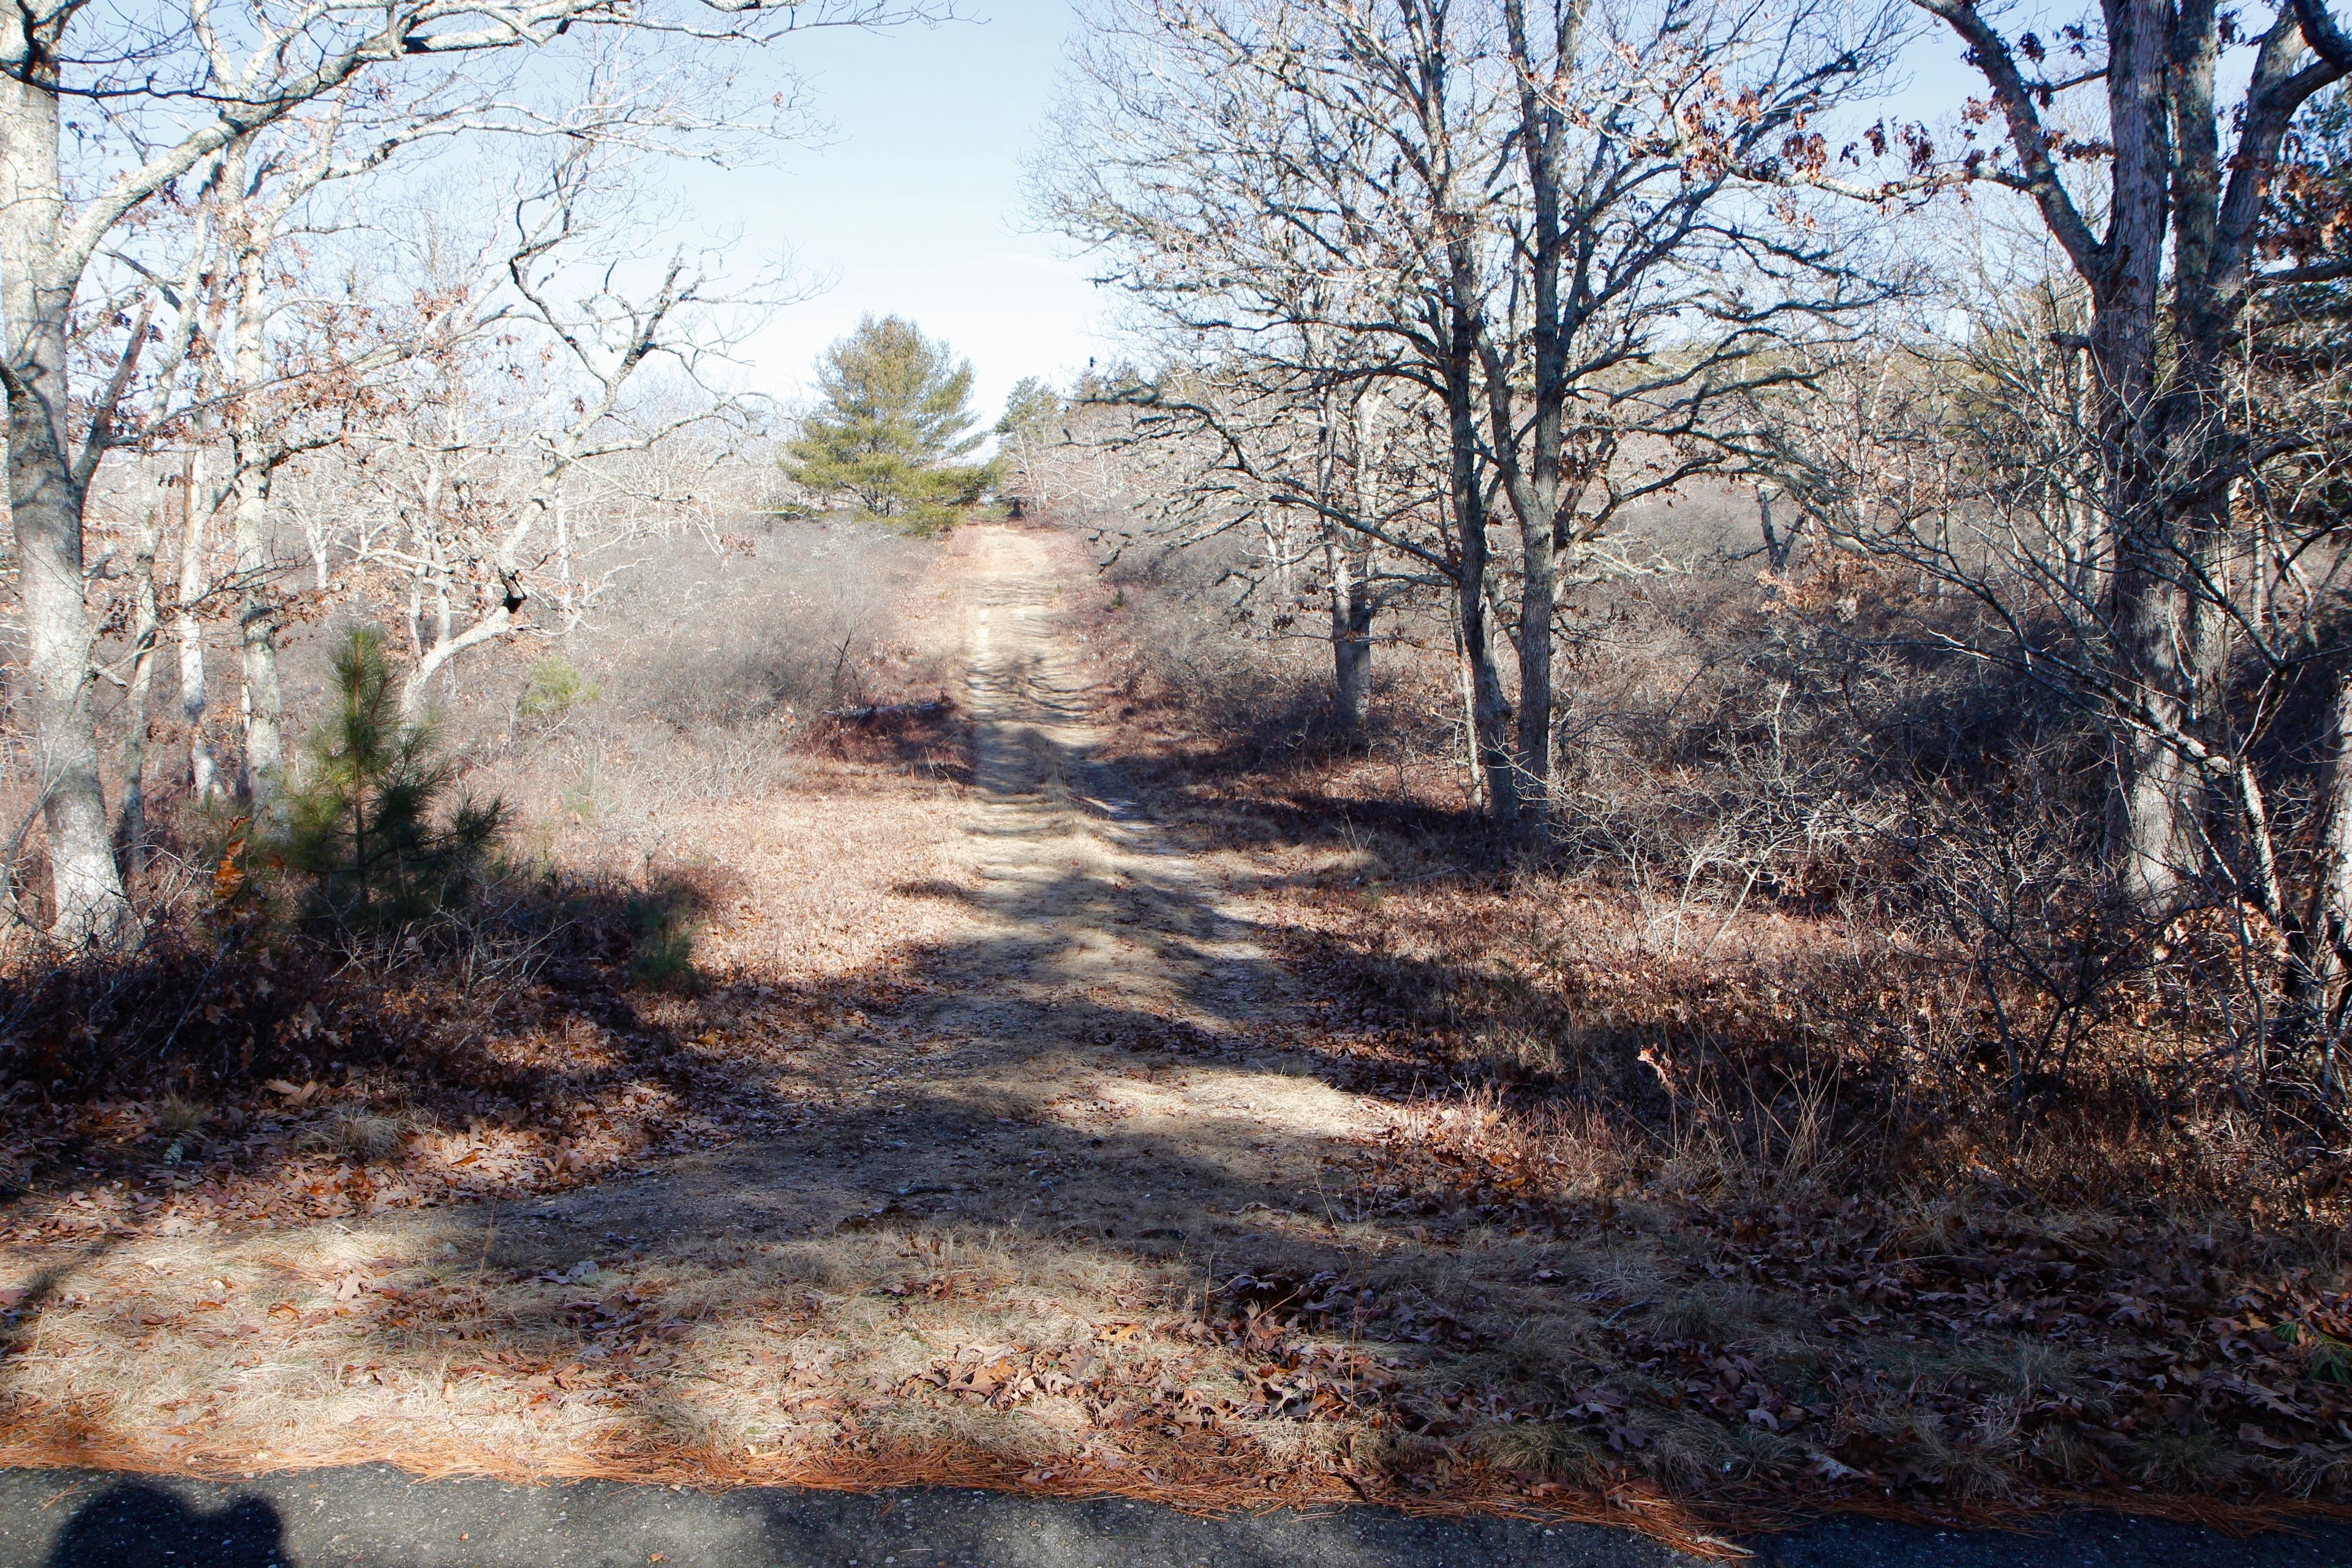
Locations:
375 1517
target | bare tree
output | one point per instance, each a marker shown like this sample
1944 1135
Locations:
1642 138
1306 454
179 90
556 374
1549 223
2163 220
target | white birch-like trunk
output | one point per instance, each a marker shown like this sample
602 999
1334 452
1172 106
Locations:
252 462
45 498
188 632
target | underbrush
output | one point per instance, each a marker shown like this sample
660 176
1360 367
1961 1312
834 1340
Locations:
235 1043
555 1017
817 617
1813 1243
1793 1035
1184 640
1787 859
1927 1175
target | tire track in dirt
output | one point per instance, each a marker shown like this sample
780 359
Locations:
1100 930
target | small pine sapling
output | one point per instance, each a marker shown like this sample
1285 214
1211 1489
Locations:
556 688
367 823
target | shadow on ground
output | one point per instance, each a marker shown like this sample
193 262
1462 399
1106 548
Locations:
375 1517
1061 1215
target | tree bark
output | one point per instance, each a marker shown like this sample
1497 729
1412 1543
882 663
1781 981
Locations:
2167 440
1535 488
1352 632
1347 563
1490 710
254 455
146 632
1539 598
257 626
2153 835
187 630
46 500
2328 928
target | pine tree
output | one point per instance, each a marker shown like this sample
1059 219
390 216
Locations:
895 415
1031 409
362 823
1031 414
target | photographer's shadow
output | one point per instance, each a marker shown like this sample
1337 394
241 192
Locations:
137 1524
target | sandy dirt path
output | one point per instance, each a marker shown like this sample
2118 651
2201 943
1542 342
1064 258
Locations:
966 1237
1101 940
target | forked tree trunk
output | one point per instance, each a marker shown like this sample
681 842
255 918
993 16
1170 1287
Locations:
1490 710
1779 548
445 650
45 498
2179 210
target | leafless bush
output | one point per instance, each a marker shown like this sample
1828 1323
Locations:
814 617
1196 632
1813 865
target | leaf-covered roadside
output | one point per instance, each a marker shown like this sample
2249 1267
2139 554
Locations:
1758 1293
255 1077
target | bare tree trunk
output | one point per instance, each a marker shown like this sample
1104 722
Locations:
1347 563
446 647
2153 842
1490 710
146 629
1535 488
1352 632
1468 689
46 497
196 516
1779 548
1539 595
413 622
256 625
563 549
2151 836
2176 209
254 457
321 575
2329 929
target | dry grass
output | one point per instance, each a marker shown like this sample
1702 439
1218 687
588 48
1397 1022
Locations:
993 1140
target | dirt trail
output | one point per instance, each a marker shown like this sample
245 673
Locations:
1068 1124
1100 935
1087 889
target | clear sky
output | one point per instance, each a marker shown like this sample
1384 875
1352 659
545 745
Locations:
914 205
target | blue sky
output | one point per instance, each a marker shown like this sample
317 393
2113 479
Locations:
914 204
914 207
